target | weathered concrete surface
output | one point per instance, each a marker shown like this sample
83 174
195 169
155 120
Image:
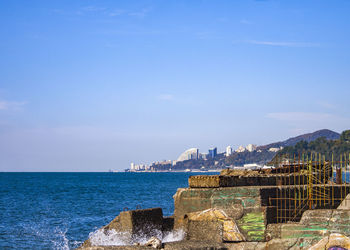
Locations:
194 245
322 222
233 200
273 231
214 224
252 225
345 204
242 204
333 240
205 181
315 225
247 179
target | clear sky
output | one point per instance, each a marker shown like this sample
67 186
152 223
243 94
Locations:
92 85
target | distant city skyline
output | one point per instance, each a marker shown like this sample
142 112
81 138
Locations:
195 154
93 85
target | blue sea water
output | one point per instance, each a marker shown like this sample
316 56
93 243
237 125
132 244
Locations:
59 210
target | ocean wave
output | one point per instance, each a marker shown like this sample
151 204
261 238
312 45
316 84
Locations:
102 237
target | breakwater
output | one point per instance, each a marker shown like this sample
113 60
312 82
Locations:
292 205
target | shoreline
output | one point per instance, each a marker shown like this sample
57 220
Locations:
167 171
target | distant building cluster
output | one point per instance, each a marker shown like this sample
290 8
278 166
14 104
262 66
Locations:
139 167
275 149
249 148
193 154
240 149
145 167
189 154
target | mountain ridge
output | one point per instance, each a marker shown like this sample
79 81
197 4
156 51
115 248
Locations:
327 133
262 154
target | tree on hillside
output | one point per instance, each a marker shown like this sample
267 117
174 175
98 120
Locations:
328 148
345 136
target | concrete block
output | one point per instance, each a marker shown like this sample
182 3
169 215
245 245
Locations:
273 231
204 181
208 230
317 216
146 222
214 225
296 230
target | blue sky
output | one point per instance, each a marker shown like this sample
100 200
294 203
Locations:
93 85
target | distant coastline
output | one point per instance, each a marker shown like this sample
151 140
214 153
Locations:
168 171
249 157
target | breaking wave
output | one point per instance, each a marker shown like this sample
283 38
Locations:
175 235
61 242
103 237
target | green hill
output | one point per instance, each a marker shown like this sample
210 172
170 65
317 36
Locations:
321 145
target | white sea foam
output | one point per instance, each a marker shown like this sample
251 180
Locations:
175 235
62 243
108 238
103 237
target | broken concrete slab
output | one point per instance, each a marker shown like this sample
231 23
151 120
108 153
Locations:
345 204
214 224
333 240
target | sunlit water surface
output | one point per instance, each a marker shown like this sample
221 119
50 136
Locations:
60 210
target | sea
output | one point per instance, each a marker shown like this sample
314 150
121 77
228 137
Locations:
61 210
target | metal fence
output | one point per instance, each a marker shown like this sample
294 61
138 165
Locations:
309 182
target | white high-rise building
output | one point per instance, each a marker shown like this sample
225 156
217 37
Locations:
240 149
251 147
190 154
132 166
228 150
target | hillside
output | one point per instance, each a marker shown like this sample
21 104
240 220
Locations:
328 134
321 145
262 155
